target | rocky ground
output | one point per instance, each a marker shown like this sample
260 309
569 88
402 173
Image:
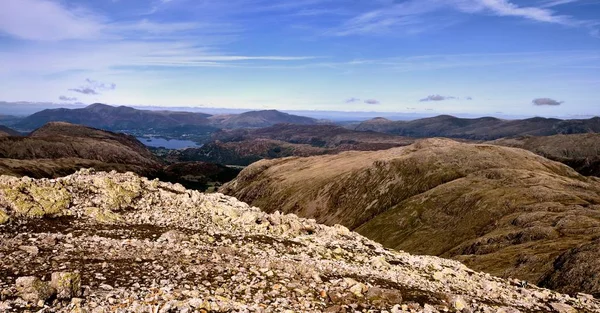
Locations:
108 242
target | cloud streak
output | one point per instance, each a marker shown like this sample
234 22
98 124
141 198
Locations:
415 15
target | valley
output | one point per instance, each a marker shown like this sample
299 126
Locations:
521 206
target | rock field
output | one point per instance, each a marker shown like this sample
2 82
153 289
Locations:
109 242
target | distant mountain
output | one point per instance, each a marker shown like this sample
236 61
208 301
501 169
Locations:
502 210
5 131
484 128
256 119
580 151
58 149
245 146
328 136
116 118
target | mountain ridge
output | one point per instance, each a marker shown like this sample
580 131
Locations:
491 207
483 128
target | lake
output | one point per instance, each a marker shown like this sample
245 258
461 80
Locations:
168 143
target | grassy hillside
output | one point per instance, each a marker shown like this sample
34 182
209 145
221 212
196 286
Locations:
502 210
580 151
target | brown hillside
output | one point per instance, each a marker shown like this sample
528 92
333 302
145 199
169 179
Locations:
58 149
63 140
502 210
580 151
5 131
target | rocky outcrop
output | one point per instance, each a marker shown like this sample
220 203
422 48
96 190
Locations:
171 249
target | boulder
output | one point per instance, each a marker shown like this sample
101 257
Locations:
67 284
32 289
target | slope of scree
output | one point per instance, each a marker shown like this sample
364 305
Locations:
148 246
502 210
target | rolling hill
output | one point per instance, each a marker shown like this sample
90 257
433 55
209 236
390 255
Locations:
579 151
484 128
502 210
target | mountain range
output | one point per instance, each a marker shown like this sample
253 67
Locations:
502 210
245 146
107 117
484 128
58 149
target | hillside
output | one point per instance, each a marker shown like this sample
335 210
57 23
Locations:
580 151
67 141
245 146
485 128
5 131
502 210
256 119
117 242
118 118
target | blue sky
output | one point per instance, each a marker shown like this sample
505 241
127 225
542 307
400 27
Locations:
536 57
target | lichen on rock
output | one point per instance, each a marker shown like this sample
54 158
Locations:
3 217
120 195
30 200
66 284
103 216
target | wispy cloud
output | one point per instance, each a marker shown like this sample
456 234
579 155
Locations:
93 87
553 3
546 101
352 100
417 15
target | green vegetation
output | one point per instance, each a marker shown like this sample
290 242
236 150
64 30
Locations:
34 201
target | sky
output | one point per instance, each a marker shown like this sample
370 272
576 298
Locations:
483 57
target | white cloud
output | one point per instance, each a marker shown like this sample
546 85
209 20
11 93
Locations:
47 20
412 15
553 3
